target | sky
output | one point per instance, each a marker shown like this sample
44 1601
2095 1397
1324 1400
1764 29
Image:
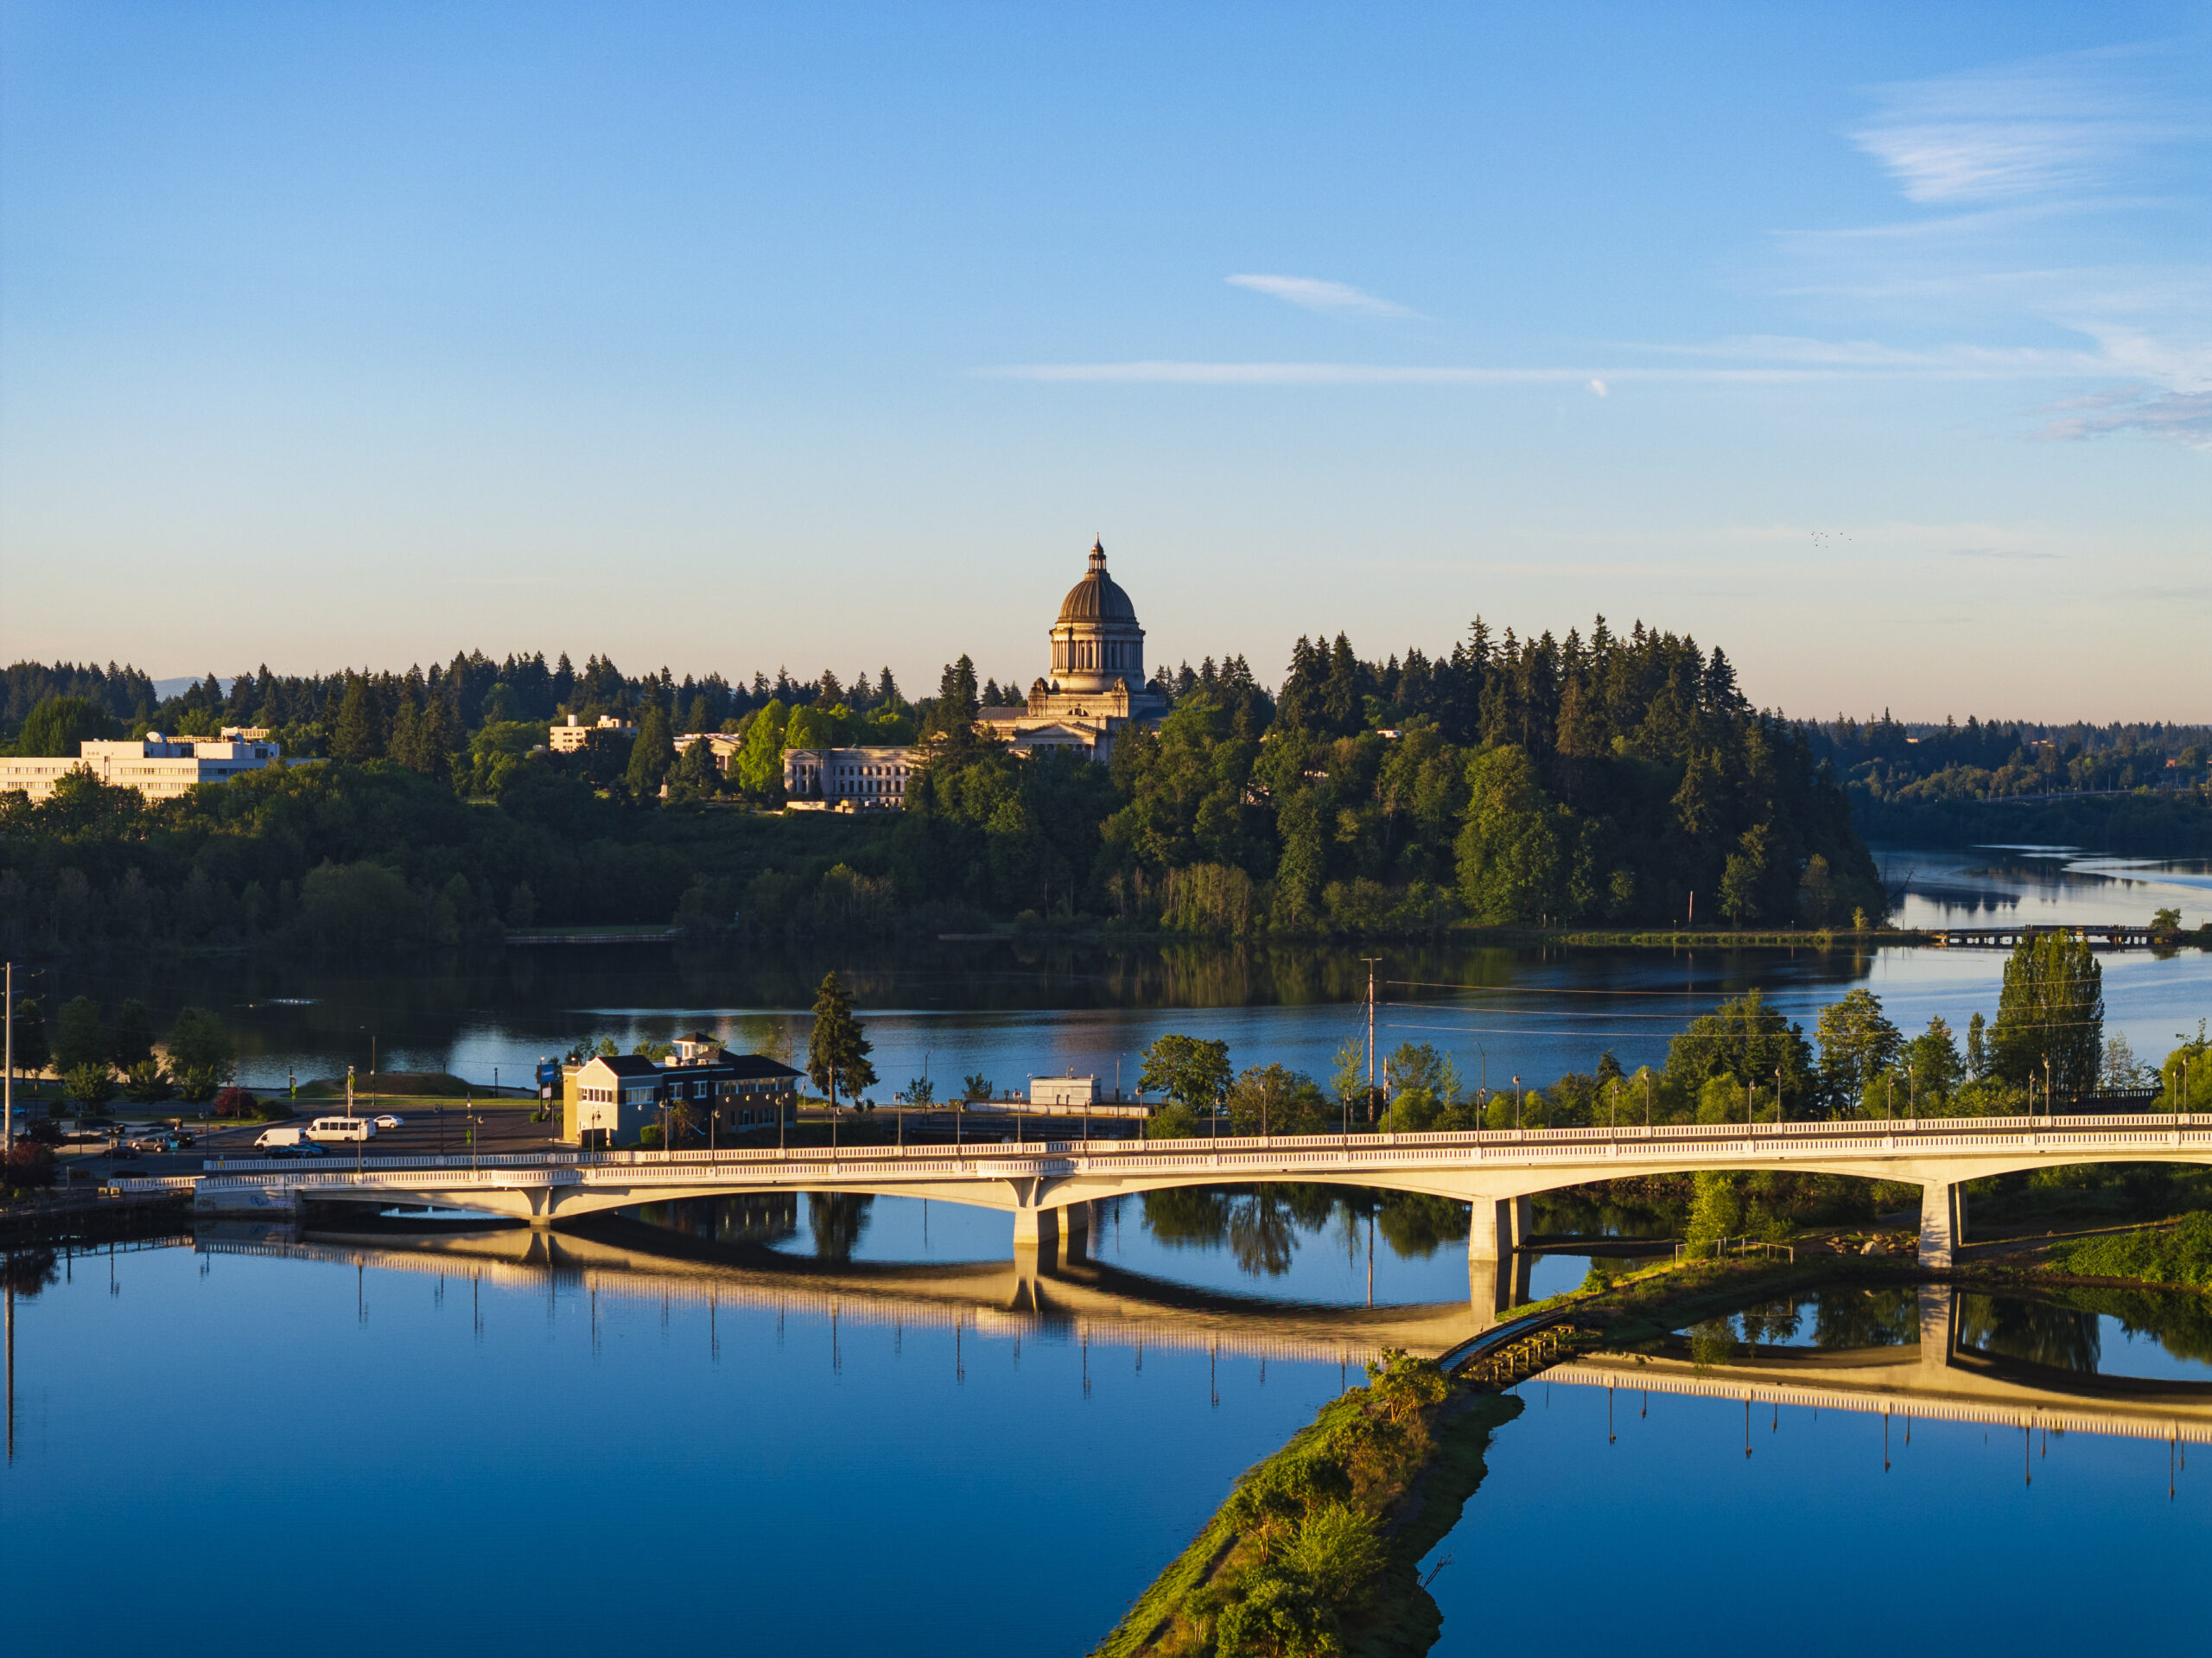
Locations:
1873 344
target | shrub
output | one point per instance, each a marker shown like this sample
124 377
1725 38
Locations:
2177 1254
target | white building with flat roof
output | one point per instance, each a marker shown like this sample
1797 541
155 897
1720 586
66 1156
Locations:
159 767
871 779
569 738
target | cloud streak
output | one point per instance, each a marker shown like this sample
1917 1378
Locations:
2054 125
1169 371
1315 293
2180 418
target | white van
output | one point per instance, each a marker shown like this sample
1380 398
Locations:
342 1128
278 1137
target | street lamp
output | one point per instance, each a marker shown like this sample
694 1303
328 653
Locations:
1516 1105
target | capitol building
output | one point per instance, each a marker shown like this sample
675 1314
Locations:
1097 687
1097 684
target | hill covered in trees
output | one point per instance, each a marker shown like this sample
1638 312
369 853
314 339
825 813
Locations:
1618 780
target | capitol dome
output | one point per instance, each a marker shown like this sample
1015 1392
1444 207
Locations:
1097 597
1096 644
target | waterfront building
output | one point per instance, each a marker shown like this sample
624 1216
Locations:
609 1099
569 738
1097 686
872 778
159 767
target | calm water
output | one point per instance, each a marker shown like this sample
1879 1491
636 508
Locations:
1009 1013
712 1433
1846 1531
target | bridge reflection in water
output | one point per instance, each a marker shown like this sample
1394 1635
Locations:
1960 1368
615 1259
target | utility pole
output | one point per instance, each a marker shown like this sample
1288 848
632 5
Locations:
1370 960
8 1112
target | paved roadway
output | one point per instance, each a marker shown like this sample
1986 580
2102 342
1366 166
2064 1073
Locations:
506 1127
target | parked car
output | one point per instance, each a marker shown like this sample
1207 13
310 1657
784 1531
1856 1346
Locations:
389 1121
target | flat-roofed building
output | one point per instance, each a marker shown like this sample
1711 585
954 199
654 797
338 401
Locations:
159 767
567 738
872 778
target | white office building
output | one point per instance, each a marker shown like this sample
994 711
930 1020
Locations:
159 767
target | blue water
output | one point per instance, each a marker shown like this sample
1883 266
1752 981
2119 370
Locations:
1009 1013
220 1452
1668 1540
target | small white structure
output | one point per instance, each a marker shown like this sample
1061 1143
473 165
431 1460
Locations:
1062 1093
159 767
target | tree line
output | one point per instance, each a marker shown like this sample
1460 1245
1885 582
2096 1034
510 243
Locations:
1744 1061
1619 780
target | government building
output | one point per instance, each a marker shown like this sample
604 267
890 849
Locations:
1096 688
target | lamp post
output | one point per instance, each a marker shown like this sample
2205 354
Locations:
1777 1096
1516 1105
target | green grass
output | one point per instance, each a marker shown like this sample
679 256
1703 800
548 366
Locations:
2181 1253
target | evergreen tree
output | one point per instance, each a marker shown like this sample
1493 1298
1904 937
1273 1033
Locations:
360 733
1857 1042
80 1035
652 755
836 1050
30 1034
1977 1048
132 1035
2050 1015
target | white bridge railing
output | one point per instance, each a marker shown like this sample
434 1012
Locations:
1280 1153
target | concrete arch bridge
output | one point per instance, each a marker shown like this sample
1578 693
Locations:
1049 1188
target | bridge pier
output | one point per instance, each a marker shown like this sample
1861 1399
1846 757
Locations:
1939 1313
1498 1268
1075 1232
1942 1223
1037 1233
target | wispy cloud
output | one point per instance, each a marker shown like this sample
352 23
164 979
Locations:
2060 124
1188 373
1842 365
1314 293
2182 418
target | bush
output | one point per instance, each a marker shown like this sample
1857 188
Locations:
147 1082
2177 1254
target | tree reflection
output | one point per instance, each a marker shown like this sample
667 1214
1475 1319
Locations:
1851 1317
2041 1333
1262 1226
837 1219
1261 1234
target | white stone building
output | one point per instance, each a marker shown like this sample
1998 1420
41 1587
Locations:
159 767
872 778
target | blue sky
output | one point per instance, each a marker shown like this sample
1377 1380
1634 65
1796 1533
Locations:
1874 344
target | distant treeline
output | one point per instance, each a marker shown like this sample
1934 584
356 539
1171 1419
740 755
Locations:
1885 760
1620 779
